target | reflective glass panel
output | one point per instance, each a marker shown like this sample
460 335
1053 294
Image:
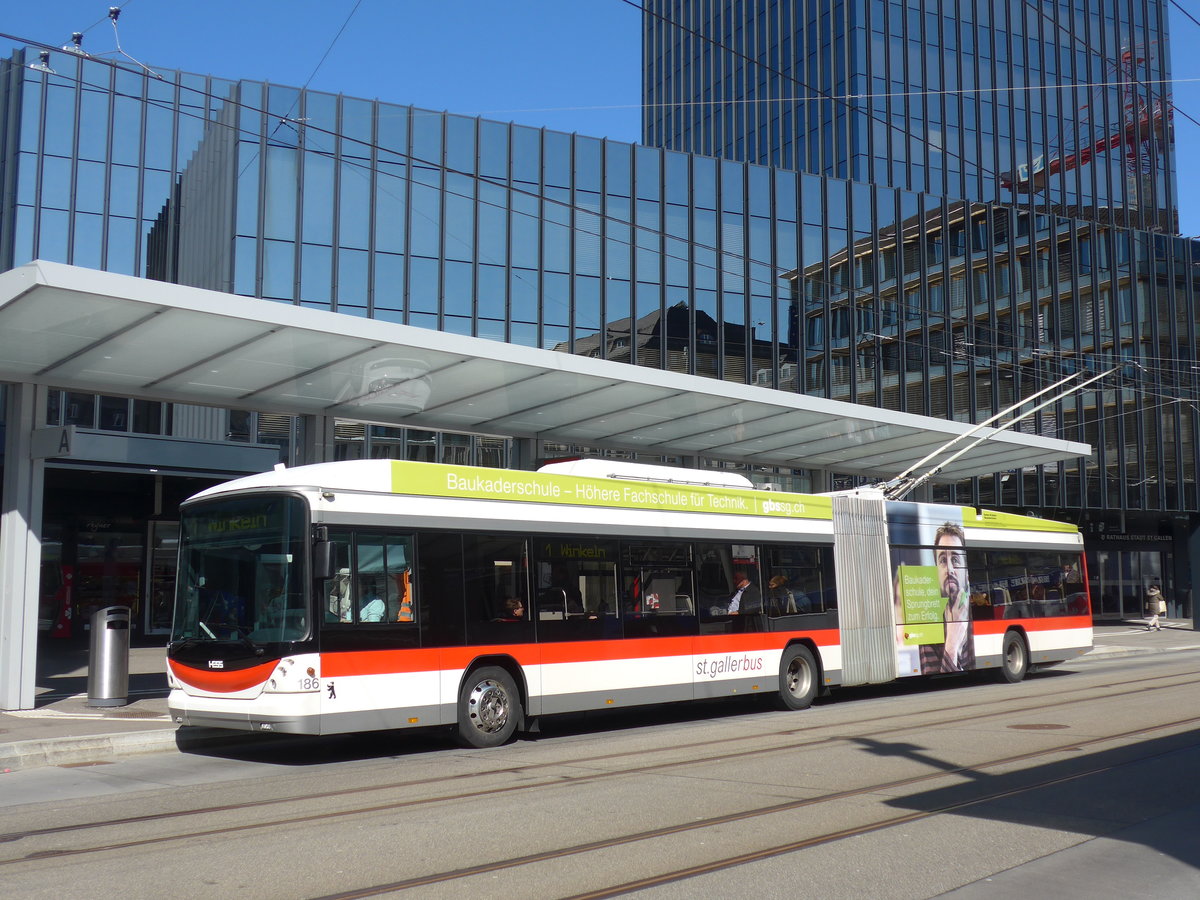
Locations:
460 144
93 124
647 162
358 117
88 244
423 285
56 182
557 166
426 220
127 119
316 274
280 221
526 155
279 260
122 246
389 281
31 109
587 163
616 168
427 138
160 125
390 206
355 206
493 150
317 227
60 120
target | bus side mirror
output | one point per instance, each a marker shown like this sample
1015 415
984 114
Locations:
323 559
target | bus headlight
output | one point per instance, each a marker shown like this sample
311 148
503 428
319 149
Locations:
289 678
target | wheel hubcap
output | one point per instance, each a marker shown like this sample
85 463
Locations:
798 678
1016 657
488 706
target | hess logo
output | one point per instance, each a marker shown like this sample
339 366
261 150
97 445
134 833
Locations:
216 663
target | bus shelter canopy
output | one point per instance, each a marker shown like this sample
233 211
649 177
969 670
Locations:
102 333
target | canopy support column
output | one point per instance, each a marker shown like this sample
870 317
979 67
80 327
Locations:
319 442
20 550
526 453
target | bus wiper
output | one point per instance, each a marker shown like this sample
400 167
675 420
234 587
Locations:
241 638
245 639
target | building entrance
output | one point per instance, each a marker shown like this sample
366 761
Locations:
162 549
1119 579
109 539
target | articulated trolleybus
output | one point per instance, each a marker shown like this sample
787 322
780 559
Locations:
378 594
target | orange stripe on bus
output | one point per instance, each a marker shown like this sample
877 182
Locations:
220 681
378 662
382 662
1056 623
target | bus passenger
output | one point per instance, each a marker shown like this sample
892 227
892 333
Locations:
514 610
270 613
746 596
783 601
372 611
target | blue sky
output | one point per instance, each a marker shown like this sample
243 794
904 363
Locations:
573 65
539 62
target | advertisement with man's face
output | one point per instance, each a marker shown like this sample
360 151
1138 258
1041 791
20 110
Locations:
930 588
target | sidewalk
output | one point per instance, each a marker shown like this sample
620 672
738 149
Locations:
64 731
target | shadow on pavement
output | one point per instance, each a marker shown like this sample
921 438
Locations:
1143 794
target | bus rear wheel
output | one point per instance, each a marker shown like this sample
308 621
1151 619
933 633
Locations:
797 678
489 708
1014 662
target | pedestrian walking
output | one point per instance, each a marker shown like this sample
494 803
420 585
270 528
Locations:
1156 605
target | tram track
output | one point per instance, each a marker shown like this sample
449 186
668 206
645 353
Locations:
730 862
474 792
774 809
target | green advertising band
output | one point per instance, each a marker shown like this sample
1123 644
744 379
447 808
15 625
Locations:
436 480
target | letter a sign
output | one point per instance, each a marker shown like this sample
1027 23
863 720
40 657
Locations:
52 442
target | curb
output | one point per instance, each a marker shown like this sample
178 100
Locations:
18 755
1105 652
96 747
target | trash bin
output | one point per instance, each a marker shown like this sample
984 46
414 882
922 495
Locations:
108 664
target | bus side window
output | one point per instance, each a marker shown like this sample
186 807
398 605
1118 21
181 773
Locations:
338 590
401 602
439 573
799 580
384 585
496 570
983 596
371 605
404 602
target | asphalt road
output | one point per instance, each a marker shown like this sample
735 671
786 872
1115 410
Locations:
1080 782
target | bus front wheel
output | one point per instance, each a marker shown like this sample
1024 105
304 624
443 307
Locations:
489 708
797 678
1014 662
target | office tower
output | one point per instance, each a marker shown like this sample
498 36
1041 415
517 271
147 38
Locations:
1062 107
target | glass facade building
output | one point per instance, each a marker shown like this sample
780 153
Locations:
793 278
1063 104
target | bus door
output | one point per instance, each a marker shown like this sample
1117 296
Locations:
866 617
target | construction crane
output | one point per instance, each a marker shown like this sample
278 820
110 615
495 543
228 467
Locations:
1146 131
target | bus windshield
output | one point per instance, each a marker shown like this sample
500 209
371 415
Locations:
241 571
